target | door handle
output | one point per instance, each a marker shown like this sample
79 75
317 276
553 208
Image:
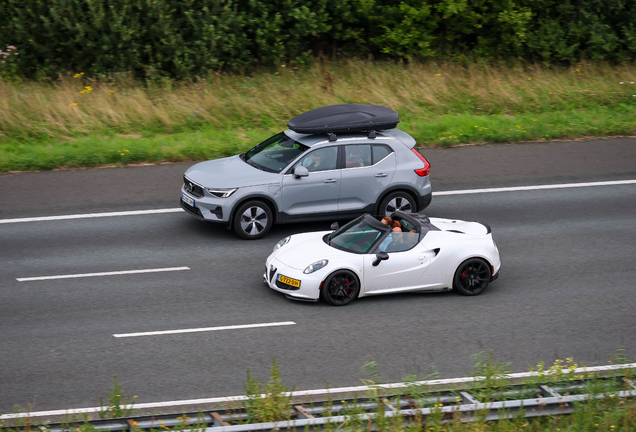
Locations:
427 254
330 181
381 175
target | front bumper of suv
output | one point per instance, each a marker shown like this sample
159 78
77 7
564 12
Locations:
206 208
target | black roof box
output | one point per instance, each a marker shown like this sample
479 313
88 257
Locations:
344 118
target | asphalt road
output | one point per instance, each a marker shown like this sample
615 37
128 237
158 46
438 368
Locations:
566 288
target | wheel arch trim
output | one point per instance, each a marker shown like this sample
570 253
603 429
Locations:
255 197
482 257
398 188
354 271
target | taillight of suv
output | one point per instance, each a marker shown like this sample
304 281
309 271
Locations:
422 172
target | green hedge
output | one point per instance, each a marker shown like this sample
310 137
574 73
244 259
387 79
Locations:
183 39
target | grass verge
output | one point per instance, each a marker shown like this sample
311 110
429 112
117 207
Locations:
76 121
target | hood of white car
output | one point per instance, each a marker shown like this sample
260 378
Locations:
470 228
305 249
229 172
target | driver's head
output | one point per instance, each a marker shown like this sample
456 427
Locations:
386 220
397 235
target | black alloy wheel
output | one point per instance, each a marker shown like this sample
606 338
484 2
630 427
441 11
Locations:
472 277
397 201
340 288
253 220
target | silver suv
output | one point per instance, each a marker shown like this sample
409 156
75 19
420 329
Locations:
355 162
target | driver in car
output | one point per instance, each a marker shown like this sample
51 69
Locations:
316 162
398 241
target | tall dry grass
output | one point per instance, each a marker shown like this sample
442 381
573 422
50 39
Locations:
269 99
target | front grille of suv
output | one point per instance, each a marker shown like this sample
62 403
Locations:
192 188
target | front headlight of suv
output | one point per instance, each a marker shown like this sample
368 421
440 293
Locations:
316 266
222 192
281 243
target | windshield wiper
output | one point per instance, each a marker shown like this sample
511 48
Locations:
249 161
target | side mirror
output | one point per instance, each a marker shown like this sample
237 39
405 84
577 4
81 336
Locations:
335 226
300 171
380 256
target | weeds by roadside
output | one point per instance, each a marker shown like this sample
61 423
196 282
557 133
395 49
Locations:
268 401
609 405
119 405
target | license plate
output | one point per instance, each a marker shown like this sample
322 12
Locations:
289 281
186 199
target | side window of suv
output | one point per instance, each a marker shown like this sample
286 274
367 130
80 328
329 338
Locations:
358 155
380 151
323 159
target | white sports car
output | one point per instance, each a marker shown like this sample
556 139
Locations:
365 257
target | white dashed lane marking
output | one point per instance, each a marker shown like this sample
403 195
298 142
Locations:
113 273
205 329
90 215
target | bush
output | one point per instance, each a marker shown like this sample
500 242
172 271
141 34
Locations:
175 38
185 39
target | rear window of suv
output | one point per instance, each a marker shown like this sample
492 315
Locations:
380 152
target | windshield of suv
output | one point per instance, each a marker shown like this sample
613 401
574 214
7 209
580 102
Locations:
357 236
274 154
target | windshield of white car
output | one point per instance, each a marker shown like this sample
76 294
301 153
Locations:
275 153
358 236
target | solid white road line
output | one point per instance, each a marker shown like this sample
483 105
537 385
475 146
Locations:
205 329
441 193
102 274
536 187
91 215
328 391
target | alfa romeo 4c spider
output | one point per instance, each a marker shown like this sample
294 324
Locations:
367 257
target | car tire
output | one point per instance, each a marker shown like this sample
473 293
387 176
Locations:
252 220
472 277
397 201
340 288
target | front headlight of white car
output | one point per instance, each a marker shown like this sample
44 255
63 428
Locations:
222 192
316 266
281 243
